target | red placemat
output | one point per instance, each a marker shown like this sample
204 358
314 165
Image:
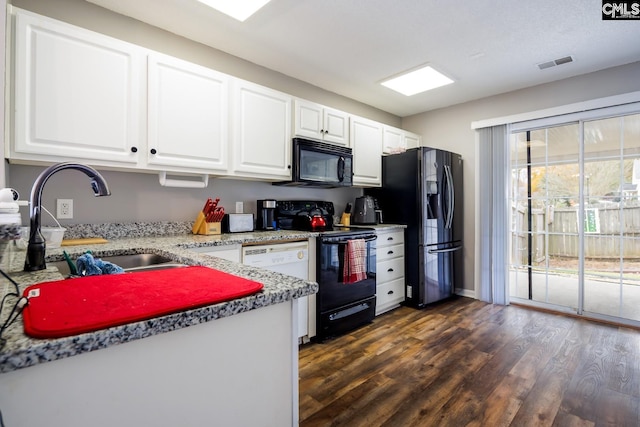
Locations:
73 306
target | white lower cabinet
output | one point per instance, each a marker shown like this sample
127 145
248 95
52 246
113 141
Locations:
240 370
389 269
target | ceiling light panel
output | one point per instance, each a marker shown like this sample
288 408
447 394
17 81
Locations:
237 9
417 81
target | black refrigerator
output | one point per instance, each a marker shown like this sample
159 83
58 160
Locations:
422 188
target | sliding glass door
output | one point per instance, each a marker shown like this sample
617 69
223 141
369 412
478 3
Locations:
612 216
575 216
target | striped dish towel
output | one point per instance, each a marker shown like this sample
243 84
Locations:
355 268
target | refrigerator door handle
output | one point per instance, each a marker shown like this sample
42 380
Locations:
441 251
450 196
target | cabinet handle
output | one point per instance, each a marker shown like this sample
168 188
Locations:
391 269
153 151
389 252
390 292
134 149
389 239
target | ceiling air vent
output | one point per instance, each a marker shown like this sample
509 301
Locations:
559 61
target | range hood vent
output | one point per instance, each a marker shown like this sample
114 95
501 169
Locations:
559 61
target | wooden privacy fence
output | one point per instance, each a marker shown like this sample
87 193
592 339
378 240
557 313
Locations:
609 232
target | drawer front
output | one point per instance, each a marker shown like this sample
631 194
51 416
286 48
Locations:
389 270
389 252
389 295
393 238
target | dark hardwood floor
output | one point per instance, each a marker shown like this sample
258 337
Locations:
467 363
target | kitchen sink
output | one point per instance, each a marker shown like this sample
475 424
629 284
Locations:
130 263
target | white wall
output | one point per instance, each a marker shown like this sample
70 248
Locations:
450 128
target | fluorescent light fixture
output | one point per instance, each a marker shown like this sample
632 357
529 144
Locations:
237 9
420 80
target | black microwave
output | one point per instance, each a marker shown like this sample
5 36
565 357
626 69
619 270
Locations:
318 164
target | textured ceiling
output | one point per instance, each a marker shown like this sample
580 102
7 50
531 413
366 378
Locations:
349 46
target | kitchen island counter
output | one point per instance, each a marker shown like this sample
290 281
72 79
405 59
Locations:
22 351
193 367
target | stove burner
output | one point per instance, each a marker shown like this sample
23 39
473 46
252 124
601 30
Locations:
305 215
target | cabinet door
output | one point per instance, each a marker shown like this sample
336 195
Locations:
322 123
308 119
77 93
390 238
389 252
336 126
411 140
262 131
187 125
389 295
366 142
392 140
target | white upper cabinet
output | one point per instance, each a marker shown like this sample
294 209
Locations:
366 142
396 140
320 122
77 93
261 138
392 141
187 115
412 140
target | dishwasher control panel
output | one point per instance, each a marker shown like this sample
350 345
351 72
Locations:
266 256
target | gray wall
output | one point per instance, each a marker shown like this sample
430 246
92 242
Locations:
139 197
450 128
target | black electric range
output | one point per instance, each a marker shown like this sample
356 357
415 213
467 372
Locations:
342 303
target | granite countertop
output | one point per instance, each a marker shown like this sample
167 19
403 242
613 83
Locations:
21 351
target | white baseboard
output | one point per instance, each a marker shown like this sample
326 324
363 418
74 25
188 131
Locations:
469 293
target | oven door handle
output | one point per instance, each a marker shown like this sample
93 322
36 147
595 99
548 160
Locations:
341 241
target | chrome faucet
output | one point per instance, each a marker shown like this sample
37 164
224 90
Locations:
34 260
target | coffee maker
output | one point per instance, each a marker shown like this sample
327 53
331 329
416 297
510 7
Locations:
266 219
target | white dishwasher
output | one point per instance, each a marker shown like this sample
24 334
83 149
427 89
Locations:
291 259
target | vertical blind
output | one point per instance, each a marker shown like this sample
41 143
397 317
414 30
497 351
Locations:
493 213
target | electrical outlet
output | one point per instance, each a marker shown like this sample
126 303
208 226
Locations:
239 207
64 208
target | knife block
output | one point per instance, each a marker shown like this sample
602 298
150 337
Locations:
209 228
206 228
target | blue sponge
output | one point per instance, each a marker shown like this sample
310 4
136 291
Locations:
89 266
